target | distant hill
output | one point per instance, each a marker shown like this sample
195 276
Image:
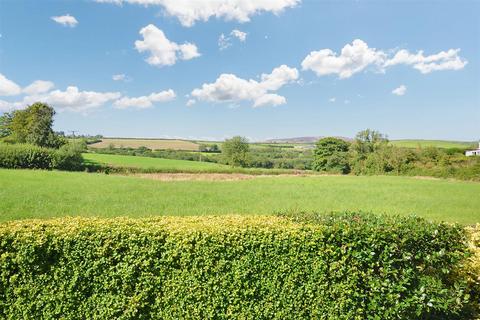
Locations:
307 140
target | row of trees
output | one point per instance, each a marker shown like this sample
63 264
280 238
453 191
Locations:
371 153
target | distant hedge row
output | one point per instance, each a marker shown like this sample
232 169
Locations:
28 156
348 266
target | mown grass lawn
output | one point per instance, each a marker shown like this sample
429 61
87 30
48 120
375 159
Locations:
46 194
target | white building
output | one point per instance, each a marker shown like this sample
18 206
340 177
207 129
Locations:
471 153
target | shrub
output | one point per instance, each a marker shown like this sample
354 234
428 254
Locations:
69 157
347 266
26 156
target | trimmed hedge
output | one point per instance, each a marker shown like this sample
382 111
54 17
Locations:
27 156
347 266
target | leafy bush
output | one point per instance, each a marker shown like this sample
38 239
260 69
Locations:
346 266
69 157
26 156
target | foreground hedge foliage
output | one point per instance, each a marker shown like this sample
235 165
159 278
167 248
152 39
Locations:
348 266
27 156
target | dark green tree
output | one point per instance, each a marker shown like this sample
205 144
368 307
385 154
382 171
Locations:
236 151
331 155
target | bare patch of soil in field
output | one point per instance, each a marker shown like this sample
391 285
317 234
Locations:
206 176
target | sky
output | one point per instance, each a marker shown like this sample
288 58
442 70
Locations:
262 69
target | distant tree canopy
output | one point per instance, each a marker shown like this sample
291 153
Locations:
32 125
331 154
236 151
368 141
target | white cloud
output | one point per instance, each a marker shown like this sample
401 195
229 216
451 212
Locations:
189 12
229 88
332 99
223 42
240 35
39 86
8 87
190 102
353 58
163 52
5 106
400 91
226 41
444 60
144 102
357 56
66 20
71 99
119 77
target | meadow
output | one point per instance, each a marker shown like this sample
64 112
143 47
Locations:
155 165
49 194
433 143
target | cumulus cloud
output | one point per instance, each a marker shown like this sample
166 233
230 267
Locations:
72 99
332 99
144 102
444 60
353 58
8 87
357 56
226 41
75 100
232 89
38 86
163 52
188 12
66 20
400 91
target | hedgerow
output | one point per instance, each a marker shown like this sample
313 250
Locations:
346 266
27 156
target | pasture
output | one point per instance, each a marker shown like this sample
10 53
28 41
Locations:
153 144
432 143
49 194
153 163
172 165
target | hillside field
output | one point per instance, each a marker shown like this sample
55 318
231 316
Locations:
147 162
432 143
154 144
48 194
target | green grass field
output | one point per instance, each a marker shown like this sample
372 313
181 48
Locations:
46 194
432 143
170 165
146 162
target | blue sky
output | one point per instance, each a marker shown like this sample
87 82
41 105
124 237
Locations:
399 72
